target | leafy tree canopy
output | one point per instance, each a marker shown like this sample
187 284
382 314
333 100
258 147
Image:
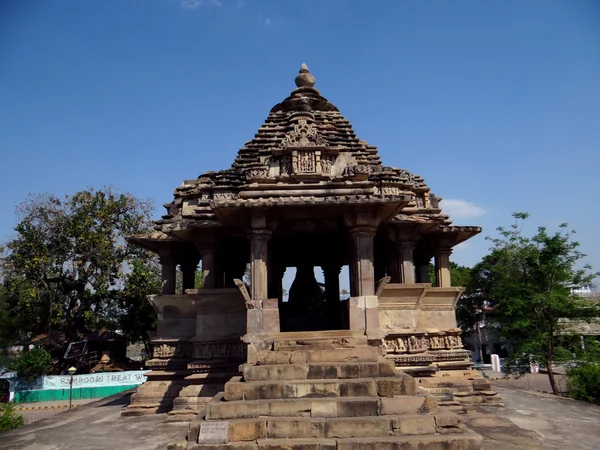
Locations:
68 268
528 280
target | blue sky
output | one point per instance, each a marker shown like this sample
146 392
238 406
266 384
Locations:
496 104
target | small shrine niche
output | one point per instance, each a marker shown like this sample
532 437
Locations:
303 151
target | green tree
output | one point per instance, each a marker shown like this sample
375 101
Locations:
9 418
528 280
68 264
32 363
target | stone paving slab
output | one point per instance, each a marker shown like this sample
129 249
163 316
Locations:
535 420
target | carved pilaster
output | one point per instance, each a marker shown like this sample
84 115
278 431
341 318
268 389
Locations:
259 239
406 264
362 270
442 267
168 271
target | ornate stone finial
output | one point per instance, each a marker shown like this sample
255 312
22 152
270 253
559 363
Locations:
304 77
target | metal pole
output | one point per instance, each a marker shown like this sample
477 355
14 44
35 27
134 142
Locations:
71 392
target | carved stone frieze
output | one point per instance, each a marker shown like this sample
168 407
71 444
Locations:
424 359
304 134
217 350
421 343
224 195
167 350
257 173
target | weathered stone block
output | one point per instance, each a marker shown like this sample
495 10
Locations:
258 390
413 425
322 371
297 444
357 388
324 408
234 391
286 408
349 427
270 303
386 369
446 419
230 446
362 407
402 405
247 430
349 370
270 321
390 387
311 389
272 372
301 428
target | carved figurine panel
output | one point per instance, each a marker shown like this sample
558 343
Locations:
422 343
306 161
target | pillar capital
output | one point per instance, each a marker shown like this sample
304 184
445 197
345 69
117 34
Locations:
260 234
363 230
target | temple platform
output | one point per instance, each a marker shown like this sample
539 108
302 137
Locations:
325 392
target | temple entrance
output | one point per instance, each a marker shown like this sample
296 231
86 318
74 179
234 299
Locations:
313 301
311 304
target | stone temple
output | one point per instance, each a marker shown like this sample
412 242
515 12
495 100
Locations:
252 369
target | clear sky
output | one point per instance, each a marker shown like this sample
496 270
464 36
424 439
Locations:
495 104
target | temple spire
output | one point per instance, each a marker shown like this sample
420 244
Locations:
304 77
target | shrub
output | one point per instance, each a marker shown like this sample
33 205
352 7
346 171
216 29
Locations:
584 382
32 364
9 418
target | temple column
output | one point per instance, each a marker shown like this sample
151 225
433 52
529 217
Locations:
442 267
259 239
422 264
362 270
168 272
331 273
405 261
207 254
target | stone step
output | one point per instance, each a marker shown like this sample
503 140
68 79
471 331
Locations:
356 354
369 387
464 441
338 427
321 407
314 371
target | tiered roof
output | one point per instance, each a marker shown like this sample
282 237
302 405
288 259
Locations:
305 153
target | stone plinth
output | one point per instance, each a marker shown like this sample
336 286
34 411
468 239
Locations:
197 350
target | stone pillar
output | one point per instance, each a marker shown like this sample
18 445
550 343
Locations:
259 239
207 253
405 261
331 273
168 272
442 267
188 271
361 268
423 270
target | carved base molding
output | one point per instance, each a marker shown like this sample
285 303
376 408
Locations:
421 342
177 353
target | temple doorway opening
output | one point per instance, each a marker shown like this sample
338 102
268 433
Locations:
312 301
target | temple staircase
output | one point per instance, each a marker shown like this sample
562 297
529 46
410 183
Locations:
325 390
